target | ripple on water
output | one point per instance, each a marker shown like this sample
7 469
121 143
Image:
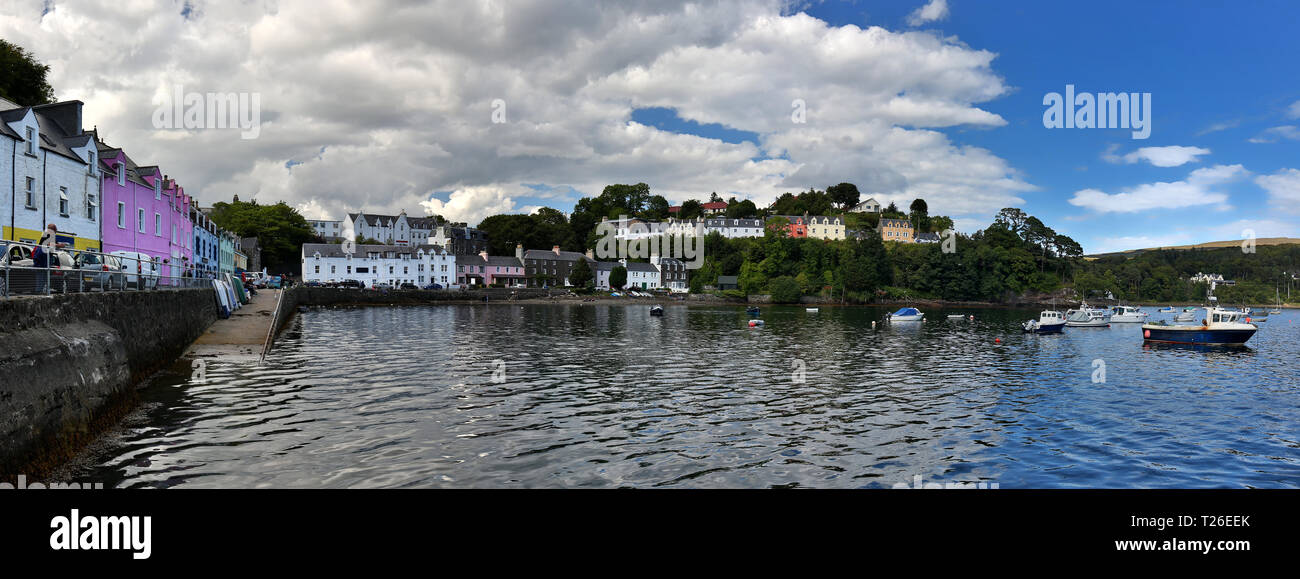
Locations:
607 396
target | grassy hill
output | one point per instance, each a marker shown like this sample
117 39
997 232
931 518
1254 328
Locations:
1209 245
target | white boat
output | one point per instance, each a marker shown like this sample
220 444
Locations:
1048 322
957 316
811 310
1120 314
1277 309
1167 310
1187 315
905 315
1088 318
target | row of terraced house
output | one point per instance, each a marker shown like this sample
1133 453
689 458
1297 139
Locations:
99 198
434 265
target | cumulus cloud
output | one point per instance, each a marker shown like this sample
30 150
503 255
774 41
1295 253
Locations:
932 11
1171 156
1197 189
379 105
1283 189
1294 110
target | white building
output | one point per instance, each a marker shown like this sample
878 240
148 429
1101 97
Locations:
376 264
54 174
730 228
641 275
326 228
868 206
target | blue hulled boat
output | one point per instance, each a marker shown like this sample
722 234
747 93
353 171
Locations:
1048 322
906 315
1220 327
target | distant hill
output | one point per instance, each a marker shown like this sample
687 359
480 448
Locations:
1208 245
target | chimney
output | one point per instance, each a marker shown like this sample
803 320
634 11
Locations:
556 249
519 251
591 254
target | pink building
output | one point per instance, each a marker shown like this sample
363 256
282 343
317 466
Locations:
484 269
144 212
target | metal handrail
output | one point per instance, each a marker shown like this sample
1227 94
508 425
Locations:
105 272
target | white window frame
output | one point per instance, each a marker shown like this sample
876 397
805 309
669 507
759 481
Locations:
139 219
157 224
121 215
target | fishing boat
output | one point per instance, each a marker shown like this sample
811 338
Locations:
752 310
905 315
656 310
1048 322
1087 319
1123 314
1220 327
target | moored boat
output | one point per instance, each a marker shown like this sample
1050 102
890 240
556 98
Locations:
1048 322
1088 318
1167 310
1187 315
1220 327
906 315
752 310
1127 314
656 310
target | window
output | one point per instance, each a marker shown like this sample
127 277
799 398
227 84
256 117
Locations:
157 224
139 220
121 173
63 201
173 233
332 268
157 189
92 209
90 167
121 215
31 193
31 141
318 269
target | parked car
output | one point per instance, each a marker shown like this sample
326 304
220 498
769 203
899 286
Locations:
17 280
140 269
100 271
408 286
350 283
382 286
273 282
433 286
313 283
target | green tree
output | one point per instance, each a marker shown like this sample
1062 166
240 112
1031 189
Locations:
280 230
785 290
618 277
691 209
845 195
656 209
580 275
22 77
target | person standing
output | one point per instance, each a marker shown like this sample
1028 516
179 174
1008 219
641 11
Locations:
41 256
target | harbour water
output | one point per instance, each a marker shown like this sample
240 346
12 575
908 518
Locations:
580 395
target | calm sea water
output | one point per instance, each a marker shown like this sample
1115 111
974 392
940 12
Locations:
608 396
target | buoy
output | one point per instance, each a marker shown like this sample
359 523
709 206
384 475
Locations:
873 325
1146 333
997 340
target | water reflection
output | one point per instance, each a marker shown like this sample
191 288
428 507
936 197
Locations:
580 395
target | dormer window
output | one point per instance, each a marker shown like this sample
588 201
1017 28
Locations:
157 189
90 168
31 141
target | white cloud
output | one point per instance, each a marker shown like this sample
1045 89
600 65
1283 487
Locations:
1294 110
1274 134
382 103
1197 189
932 11
1171 156
1283 189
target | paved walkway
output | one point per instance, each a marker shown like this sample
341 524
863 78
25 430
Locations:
243 333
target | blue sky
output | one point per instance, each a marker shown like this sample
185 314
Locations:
1219 74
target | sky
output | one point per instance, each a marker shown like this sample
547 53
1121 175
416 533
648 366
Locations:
469 109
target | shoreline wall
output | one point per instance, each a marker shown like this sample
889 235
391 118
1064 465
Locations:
69 363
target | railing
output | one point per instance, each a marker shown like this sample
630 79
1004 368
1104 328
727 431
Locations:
67 270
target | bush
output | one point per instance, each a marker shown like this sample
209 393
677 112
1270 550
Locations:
784 290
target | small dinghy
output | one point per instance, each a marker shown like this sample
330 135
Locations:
957 316
755 323
656 310
811 310
752 310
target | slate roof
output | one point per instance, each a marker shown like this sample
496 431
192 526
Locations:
336 249
638 266
548 254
